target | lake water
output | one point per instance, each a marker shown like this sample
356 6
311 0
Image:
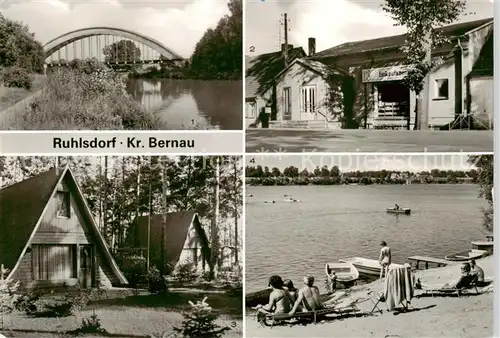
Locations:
334 222
210 104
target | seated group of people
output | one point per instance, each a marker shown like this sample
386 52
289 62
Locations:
285 298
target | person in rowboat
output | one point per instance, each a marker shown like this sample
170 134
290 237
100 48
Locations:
396 207
279 299
384 258
309 297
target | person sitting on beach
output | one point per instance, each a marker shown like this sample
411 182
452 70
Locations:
460 283
384 258
288 286
309 297
476 270
332 281
279 299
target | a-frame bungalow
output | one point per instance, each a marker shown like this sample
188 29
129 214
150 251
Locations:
184 242
48 236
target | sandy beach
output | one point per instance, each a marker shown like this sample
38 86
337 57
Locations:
468 316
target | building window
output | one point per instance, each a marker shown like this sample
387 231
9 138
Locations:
63 204
287 102
442 89
53 262
251 111
308 99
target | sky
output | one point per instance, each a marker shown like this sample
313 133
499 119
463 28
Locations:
361 162
178 24
331 22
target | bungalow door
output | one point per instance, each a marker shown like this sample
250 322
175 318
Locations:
287 103
308 106
86 266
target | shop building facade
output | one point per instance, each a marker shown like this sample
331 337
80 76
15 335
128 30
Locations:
383 101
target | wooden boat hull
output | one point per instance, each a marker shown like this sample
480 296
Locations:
466 255
364 266
256 298
404 211
346 272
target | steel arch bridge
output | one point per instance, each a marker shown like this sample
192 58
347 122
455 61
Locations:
90 43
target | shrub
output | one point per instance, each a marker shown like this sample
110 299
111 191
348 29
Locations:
157 283
89 326
8 295
206 276
17 77
199 321
186 273
73 302
56 310
134 269
77 300
28 303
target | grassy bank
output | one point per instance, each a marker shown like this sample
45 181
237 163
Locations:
10 96
84 95
468 316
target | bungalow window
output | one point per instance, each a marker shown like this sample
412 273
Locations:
308 99
53 262
63 204
442 89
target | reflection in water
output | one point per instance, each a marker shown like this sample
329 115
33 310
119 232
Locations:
208 104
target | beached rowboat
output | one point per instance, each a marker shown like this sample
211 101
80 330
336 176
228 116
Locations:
365 266
256 298
466 255
345 272
405 211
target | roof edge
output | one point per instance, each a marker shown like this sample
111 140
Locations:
317 57
107 253
37 225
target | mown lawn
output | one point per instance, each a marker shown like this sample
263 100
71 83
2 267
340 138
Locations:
143 315
10 96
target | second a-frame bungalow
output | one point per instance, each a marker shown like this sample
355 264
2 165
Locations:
184 241
48 236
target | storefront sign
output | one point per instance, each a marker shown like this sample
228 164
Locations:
394 73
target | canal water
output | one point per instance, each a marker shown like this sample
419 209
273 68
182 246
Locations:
184 103
334 222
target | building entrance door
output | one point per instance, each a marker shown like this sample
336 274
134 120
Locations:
86 266
392 101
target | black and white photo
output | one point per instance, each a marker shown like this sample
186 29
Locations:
111 65
369 246
121 246
376 76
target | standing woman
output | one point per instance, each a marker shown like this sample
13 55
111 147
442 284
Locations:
384 258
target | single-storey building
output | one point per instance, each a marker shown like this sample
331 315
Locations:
48 236
179 234
259 72
310 94
378 66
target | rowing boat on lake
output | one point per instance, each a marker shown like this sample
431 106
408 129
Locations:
405 211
